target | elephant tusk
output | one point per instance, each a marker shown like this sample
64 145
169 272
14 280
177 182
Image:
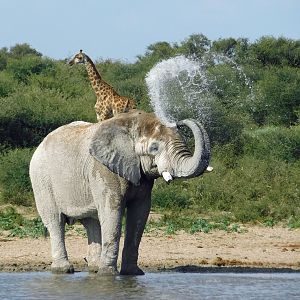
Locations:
209 169
167 176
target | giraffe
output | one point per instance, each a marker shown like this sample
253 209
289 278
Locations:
109 103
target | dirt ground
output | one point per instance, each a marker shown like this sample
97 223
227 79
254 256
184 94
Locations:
256 247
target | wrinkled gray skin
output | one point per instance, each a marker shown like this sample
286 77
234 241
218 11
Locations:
92 172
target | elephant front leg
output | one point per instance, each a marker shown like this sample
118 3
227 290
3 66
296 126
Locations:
110 222
137 214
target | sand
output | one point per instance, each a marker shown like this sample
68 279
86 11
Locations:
256 247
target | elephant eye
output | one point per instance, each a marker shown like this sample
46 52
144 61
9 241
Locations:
153 148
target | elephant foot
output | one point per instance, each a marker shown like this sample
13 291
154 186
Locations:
93 268
108 271
62 268
93 265
131 270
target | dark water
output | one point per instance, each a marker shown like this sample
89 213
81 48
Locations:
44 285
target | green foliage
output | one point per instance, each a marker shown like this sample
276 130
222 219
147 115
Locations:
7 84
224 127
253 190
250 190
16 52
225 46
18 226
23 68
255 139
278 100
269 222
15 186
273 143
170 196
48 101
9 218
155 53
195 45
281 51
174 221
293 222
20 50
31 112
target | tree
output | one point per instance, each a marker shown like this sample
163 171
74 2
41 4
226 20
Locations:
20 50
195 45
281 51
225 46
23 68
278 101
161 50
3 58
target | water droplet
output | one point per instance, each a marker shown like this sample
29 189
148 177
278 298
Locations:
181 87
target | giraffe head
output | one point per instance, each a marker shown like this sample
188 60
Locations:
79 58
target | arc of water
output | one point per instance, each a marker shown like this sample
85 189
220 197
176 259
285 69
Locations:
182 86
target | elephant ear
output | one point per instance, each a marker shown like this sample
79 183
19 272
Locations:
112 146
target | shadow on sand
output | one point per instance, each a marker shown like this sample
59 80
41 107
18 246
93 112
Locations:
199 269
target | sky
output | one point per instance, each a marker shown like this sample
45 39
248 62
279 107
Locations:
122 30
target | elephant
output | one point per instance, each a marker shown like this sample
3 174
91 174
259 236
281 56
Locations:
94 172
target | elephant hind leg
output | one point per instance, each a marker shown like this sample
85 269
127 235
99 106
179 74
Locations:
56 230
93 230
52 219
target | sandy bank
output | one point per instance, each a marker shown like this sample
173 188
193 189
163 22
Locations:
257 247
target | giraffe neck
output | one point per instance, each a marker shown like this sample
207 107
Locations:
94 76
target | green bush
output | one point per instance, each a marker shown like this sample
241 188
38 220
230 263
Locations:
172 196
15 186
251 190
23 68
72 82
277 51
191 223
7 84
255 173
278 97
224 127
273 143
9 218
30 113
17 225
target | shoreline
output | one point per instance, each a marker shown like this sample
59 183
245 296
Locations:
258 249
201 269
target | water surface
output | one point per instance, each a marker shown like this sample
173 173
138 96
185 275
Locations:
82 285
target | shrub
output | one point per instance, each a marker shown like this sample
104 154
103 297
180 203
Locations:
72 82
170 196
14 177
276 143
251 190
30 113
278 99
22 68
7 84
17 225
225 127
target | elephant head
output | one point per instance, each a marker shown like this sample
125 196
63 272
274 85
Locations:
135 144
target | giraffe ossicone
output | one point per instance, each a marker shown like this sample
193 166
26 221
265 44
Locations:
109 103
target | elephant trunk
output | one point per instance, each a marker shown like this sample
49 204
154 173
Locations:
188 165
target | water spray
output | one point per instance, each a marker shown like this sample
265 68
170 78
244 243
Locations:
181 87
